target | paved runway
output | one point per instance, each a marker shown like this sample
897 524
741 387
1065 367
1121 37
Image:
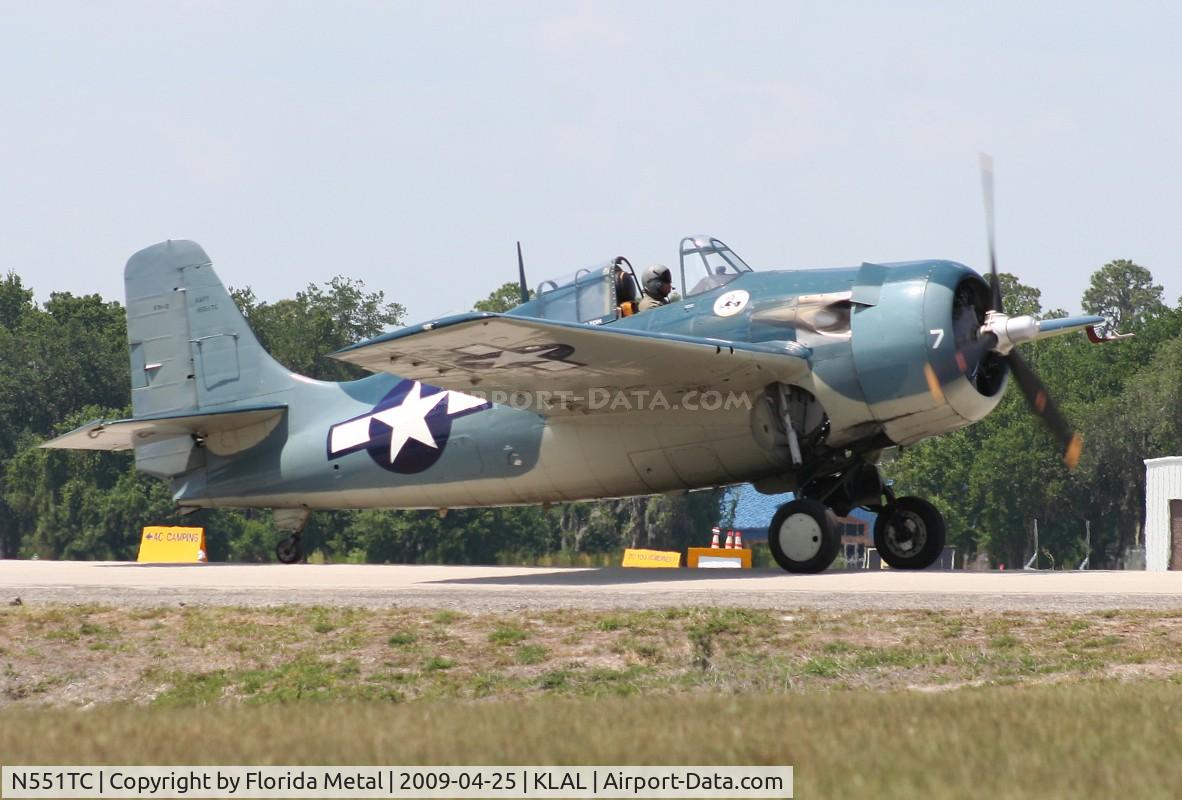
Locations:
503 589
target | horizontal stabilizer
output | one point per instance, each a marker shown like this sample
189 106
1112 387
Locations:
223 431
491 353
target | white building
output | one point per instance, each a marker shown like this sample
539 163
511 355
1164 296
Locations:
1163 513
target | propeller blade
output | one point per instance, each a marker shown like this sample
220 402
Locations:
1042 405
521 275
987 193
970 357
1032 388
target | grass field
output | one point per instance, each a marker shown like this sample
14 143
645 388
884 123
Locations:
1103 739
887 704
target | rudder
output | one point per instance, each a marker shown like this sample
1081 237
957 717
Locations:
191 349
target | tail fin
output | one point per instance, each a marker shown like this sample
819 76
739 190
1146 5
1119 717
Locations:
191 349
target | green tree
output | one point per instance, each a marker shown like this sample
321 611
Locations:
54 361
1124 293
670 521
1017 297
301 332
58 359
88 504
1143 421
507 297
15 301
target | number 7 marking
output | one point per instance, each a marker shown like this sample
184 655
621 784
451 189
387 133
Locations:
939 334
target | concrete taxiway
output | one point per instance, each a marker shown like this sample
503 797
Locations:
503 589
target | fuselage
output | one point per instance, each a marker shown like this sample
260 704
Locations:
882 343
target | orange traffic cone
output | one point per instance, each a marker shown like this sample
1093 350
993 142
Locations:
730 540
738 540
714 539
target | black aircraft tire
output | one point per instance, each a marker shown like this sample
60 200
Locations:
803 536
909 534
289 551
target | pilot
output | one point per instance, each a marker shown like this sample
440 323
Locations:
658 283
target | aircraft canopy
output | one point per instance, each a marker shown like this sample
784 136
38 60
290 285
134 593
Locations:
707 263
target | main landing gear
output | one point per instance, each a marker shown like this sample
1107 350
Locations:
909 533
290 550
805 535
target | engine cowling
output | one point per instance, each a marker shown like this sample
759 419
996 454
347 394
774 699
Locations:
908 349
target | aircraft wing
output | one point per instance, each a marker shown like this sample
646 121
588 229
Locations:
123 434
569 366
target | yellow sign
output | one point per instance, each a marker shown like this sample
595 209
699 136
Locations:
172 545
651 559
700 557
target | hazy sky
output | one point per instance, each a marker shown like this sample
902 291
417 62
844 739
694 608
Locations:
410 144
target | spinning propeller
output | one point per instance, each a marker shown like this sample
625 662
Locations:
1000 332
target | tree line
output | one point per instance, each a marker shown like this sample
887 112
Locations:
64 363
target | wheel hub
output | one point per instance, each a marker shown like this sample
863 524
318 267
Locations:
800 537
906 533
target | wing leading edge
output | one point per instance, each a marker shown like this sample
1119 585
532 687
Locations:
571 364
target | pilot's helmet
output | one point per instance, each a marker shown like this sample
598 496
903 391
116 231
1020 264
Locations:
654 276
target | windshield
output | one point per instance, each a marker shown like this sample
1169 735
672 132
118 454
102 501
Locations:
707 263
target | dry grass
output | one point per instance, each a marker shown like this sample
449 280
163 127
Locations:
82 656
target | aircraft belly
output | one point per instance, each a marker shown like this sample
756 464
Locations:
624 454
589 456
744 460
697 465
654 470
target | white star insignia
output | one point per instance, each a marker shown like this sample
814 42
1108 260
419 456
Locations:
406 421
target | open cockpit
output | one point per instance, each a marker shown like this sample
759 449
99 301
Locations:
610 290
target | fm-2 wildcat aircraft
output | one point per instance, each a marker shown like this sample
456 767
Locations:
792 380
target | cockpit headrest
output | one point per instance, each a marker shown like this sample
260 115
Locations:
626 289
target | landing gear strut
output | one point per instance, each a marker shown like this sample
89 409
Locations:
290 550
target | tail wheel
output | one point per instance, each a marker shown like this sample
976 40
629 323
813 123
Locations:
289 550
909 534
803 536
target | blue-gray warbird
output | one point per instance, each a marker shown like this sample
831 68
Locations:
792 380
